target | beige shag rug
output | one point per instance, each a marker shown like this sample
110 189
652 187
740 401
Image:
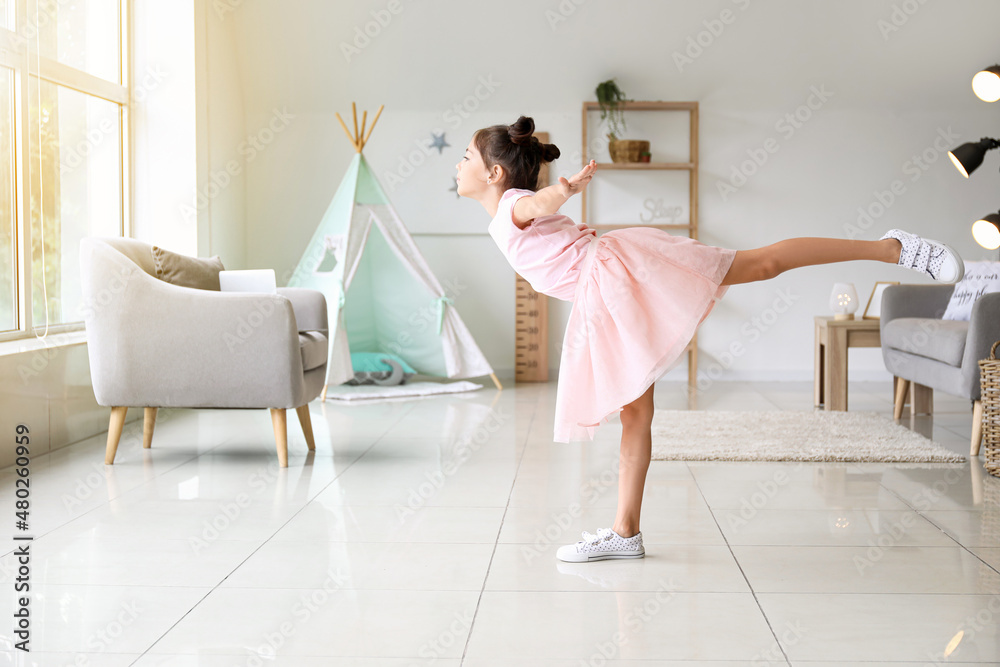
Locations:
780 435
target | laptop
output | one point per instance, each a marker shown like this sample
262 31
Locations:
249 280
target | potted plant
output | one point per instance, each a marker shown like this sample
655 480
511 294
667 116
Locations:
610 97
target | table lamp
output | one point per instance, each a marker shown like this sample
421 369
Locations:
843 301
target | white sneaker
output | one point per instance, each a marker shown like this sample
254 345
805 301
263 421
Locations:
606 544
932 258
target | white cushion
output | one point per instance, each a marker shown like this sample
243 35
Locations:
980 278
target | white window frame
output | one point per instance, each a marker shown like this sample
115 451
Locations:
18 54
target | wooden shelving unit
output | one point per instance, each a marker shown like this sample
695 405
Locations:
691 166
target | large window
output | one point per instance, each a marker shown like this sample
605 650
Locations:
63 152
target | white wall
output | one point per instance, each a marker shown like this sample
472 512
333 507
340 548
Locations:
222 163
892 91
163 118
188 124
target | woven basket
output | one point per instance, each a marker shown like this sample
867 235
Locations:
627 150
989 378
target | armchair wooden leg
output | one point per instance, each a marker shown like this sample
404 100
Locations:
148 423
977 428
921 400
114 433
307 428
902 386
280 435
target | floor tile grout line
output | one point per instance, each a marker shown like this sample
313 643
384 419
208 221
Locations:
271 536
742 572
496 542
940 528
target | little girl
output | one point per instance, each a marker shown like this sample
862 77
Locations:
638 294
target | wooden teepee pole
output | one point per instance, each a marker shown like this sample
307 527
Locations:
347 132
354 110
359 139
377 114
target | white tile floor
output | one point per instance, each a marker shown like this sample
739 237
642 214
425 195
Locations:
424 532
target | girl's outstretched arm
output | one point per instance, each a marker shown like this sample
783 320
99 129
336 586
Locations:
548 200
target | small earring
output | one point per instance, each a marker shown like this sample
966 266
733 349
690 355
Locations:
489 180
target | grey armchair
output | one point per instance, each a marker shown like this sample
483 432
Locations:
922 349
153 344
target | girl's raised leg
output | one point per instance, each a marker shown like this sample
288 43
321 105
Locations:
633 461
767 262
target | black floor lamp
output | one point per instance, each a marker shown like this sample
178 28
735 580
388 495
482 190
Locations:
968 157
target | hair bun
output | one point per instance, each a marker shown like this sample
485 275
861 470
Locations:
520 132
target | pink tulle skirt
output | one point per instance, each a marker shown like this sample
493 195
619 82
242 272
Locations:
641 296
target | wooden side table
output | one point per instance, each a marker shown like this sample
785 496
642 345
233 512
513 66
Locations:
833 338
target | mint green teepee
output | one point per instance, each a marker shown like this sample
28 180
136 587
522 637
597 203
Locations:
381 295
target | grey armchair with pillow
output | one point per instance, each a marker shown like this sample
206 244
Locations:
921 348
160 334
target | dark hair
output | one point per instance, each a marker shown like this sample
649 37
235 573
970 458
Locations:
515 149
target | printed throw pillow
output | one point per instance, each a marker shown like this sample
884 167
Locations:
379 368
196 272
980 278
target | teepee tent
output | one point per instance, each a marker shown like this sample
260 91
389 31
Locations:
382 296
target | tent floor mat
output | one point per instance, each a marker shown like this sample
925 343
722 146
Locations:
346 392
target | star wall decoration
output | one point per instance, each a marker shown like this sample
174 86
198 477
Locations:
438 142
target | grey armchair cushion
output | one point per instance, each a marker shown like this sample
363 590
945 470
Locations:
194 272
313 346
943 340
928 360
154 344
